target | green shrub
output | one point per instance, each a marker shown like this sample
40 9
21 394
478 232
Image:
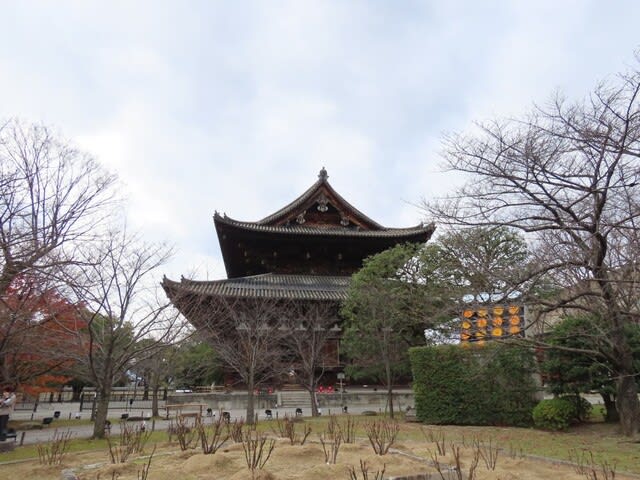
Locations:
554 414
490 385
581 408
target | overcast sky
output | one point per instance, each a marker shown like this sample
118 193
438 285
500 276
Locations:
235 106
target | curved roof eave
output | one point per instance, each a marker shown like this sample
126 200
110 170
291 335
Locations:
329 232
276 286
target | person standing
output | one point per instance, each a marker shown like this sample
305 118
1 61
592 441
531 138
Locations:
6 408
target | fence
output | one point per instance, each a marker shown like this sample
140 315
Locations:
120 399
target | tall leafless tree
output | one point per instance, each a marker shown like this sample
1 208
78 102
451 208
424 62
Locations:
311 327
155 370
52 196
568 176
127 321
247 335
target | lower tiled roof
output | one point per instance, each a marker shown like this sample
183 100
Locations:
268 285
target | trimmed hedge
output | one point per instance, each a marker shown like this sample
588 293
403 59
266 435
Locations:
489 385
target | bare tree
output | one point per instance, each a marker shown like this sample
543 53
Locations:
568 176
51 197
247 335
126 320
155 371
311 326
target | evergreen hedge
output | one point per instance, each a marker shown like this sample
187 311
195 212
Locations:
554 414
488 385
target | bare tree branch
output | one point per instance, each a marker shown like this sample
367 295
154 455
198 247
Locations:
568 176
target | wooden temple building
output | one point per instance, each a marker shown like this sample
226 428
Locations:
306 251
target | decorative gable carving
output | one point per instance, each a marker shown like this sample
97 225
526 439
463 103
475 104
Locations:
321 207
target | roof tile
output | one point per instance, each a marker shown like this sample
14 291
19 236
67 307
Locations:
269 285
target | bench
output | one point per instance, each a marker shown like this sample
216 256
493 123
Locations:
11 433
195 415
179 407
47 420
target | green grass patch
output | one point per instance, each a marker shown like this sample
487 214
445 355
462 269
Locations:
76 445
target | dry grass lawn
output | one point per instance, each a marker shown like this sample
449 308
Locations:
413 453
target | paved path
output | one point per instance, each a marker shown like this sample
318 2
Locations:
68 410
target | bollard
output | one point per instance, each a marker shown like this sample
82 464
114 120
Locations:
153 424
22 438
69 415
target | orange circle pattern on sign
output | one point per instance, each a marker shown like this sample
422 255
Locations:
492 321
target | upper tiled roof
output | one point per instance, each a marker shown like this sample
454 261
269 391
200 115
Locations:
269 285
327 231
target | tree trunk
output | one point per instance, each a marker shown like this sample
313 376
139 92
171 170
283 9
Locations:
387 371
611 413
390 399
77 390
314 401
389 388
154 401
628 405
250 401
102 409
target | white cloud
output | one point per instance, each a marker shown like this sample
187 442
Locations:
236 106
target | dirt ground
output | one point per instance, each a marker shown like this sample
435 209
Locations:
292 462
